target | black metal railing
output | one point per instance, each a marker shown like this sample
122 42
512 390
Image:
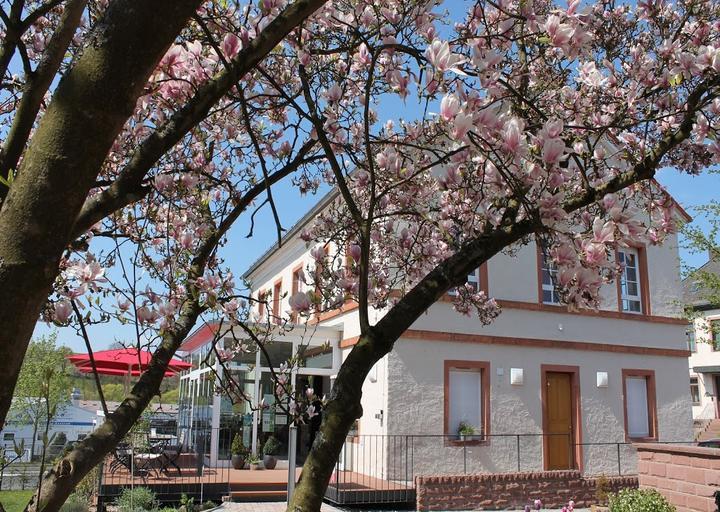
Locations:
169 465
375 469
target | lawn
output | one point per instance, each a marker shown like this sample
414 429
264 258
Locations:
15 501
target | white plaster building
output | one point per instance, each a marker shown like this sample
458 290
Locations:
703 337
543 387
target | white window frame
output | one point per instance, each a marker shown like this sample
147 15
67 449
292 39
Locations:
548 267
473 279
627 298
696 385
691 339
638 412
458 406
297 283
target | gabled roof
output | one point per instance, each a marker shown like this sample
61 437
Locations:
297 227
334 193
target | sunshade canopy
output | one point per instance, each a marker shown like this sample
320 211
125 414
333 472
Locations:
124 361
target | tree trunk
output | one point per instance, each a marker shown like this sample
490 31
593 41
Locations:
341 410
32 444
344 407
90 105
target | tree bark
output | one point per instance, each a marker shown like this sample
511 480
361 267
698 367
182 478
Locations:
88 109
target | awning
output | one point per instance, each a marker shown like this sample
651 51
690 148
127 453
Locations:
706 369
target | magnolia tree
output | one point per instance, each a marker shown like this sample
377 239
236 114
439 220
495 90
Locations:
173 118
524 120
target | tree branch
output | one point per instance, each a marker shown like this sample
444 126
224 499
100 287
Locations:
128 187
36 86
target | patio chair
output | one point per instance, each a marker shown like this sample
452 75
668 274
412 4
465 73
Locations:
122 458
171 454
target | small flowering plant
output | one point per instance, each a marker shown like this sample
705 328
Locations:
538 505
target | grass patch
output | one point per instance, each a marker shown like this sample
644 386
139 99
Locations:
15 501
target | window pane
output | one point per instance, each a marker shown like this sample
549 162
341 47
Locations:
316 357
636 401
691 338
632 288
694 391
279 352
465 397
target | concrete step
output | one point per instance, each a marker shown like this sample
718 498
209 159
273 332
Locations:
258 486
258 495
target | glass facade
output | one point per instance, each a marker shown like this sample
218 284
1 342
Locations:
218 402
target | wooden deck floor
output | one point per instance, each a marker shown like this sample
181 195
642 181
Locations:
248 485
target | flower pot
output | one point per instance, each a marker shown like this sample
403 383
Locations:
269 461
254 466
238 461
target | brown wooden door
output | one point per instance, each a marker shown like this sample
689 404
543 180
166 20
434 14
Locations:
558 414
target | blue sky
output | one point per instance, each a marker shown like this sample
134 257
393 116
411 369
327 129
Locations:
241 252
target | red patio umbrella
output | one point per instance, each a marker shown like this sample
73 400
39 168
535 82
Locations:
112 371
123 361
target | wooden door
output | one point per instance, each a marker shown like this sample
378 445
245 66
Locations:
559 421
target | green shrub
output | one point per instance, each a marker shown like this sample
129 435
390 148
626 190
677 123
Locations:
208 505
272 446
139 498
237 447
639 500
75 503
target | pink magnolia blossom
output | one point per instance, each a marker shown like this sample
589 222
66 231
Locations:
442 59
300 302
62 311
231 45
449 107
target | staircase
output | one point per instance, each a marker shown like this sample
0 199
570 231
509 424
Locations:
258 491
711 431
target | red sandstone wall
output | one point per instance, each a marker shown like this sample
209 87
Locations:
686 475
510 490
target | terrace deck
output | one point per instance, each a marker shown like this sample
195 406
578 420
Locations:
346 487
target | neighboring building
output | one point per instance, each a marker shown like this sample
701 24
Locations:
76 419
703 337
571 380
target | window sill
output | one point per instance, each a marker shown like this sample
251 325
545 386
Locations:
470 442
651 439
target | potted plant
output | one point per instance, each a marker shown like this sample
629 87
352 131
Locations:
254 462
465 431
270 450
239 452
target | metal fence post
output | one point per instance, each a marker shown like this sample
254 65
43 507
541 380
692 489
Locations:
292 444
517 442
